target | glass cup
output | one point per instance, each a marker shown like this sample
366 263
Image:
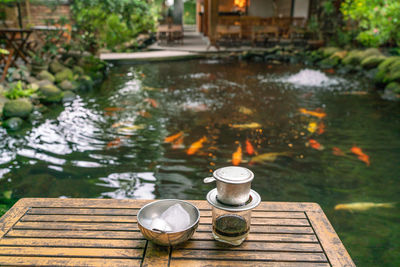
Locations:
230 227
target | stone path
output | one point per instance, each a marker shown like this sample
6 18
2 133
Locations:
149 56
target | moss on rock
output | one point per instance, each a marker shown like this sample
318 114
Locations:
56 67
65 74
372 61
394 87
352 58
328 63
384 68
17 108
13 123
45 75
78 70
68 85
329 51
51 93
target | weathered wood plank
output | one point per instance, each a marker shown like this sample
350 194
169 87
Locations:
98 226
78 218
132 219
138 203
50 261
75 234
267 229
265 221
156 256
77 226
72 252
253 246
85 211
264 237
334 249
12 216
242 263
249 255
71 242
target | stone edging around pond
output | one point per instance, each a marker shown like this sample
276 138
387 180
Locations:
369 63
54 84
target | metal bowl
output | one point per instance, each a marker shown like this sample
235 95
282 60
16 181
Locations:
154 210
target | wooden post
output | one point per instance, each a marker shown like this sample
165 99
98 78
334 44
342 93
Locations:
28 11
198 17
212 18
205 18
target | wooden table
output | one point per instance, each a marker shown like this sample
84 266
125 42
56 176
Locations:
17 40
86 232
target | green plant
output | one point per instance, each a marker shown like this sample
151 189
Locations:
17 91
378 22
110 23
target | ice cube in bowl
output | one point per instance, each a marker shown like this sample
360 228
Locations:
168 222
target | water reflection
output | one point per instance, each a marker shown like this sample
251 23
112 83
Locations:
129 185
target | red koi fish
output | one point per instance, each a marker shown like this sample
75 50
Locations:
361 155
337 151
173 137
196 146
114 143
237 156
331 71
321 128
249 148
314 144
152 102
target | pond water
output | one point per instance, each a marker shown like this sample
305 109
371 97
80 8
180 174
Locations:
302 123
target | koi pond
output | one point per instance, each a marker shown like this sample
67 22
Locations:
156 130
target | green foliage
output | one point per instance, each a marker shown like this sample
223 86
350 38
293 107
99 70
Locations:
189 12
18 91
378 21
108 23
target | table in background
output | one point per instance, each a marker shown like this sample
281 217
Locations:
100 232
17 40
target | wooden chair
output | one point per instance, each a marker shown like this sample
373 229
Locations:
264 34
163 33
176 32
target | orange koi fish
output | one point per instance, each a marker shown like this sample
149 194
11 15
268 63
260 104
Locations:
361 155
109 114
249 148
178 143
314 144
237 156
152 102
143 75
173 137
114 143
321 128
144 114
331 71
337 151
319 115
113 109
196 146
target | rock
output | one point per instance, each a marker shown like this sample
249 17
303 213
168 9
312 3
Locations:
55 67
372 61
383 69
3 100
68 96
31 79
51 93
67 85
352 58
69 62
43 83
85 82
65 74
78 70
20 74
17 108
329 51
390 95
370 52
33 86
329 63
394 87
339 54
13 123
45 75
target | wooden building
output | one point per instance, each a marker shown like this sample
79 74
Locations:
215 17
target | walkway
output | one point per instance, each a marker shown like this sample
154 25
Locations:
149 56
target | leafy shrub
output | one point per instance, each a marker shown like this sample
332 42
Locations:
18 91
378 21
108 23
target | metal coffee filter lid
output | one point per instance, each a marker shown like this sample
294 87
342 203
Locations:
233 175
255 200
